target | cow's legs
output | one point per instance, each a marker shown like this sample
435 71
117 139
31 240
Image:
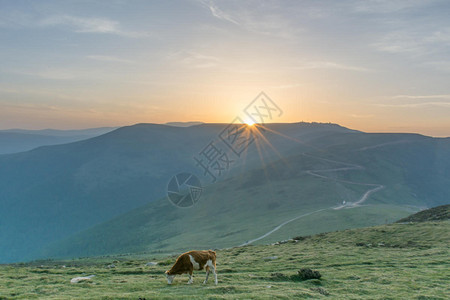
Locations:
191 279
213 269
207 275
215 275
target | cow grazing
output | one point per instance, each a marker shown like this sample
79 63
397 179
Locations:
193 260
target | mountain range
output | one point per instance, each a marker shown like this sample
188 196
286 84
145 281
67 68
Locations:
20 140
107 194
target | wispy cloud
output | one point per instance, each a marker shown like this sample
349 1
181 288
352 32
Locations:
63 73
330 65
400 42
43 93
107 58
416 41
386 6
361 116
439 36
90 25
417 101
414 105
217 12
248 15
195 59
15 19
50 73
286 86
441 96
443 66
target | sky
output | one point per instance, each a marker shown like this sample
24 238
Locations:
375 66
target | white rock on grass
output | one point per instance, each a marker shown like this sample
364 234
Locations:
80 279
152 263
270 258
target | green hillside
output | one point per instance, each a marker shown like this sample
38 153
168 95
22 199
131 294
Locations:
438 213
299 194
55 191
78 199
396 261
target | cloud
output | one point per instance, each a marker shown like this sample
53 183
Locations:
401 42
416 105
417 101
416 41
439 36
64 73
107 58
15 19
268 18
386 6
47 94
195 59
33 106
330 65
443 66
286 86
442 96
361 116
50 73
217 12
90 25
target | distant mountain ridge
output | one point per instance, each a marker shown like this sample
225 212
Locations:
183 124
20 140
106 194
301 193
59 132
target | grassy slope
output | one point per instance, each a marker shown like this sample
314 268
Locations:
247 206
397 261
433 214
55 191
52 193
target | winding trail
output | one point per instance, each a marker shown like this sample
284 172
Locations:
348 205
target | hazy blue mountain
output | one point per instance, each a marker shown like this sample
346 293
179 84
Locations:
20 140
413 171
183 124
53 191
63 192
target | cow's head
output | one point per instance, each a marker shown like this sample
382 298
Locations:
169 277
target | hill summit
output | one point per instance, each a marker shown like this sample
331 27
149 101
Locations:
438 213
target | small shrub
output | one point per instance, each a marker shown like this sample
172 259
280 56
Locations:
320 290
301 238
166 262
306 274
278 277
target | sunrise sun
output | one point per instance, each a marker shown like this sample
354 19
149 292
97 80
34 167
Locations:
249 122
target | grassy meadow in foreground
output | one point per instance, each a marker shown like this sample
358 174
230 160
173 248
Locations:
397 261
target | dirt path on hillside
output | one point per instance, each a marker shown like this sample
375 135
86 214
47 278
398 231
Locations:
348 205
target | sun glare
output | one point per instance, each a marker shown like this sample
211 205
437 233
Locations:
249 122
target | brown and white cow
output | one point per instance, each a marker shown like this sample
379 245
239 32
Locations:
193 260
